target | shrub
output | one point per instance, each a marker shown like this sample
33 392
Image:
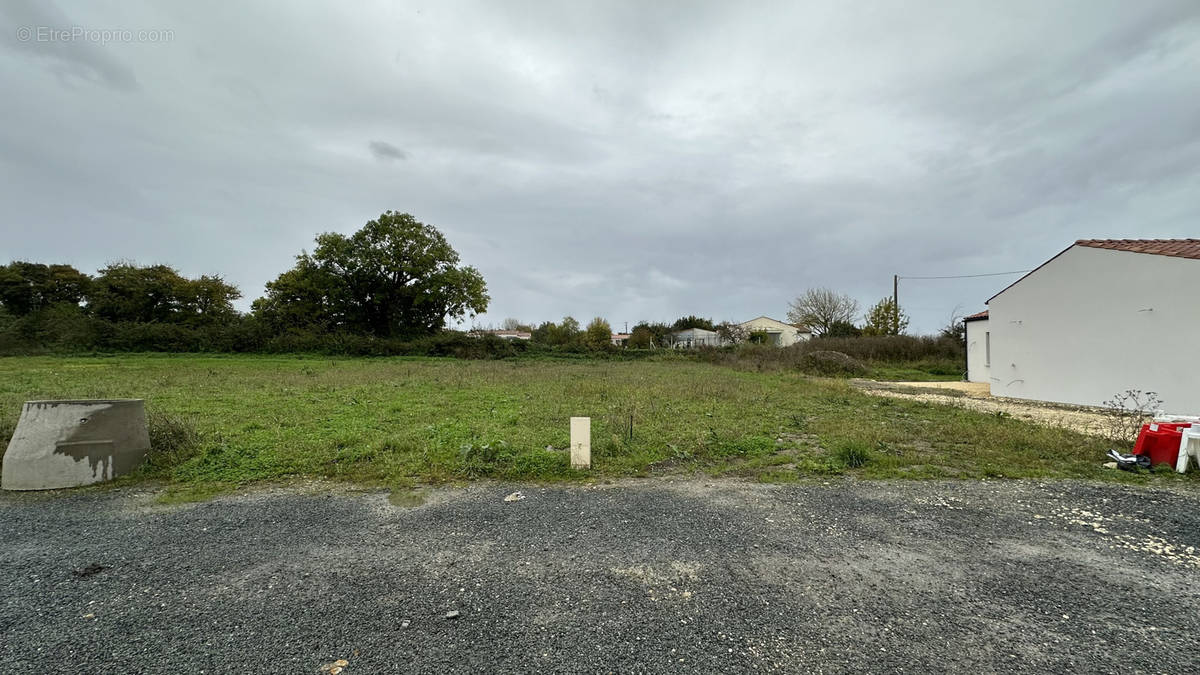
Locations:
834 364
7 427
852 454
935 355
892 348
752 356
1128 411
173 440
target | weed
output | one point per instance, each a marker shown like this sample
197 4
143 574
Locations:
852 454
7 427
173 439
834 364
1128 411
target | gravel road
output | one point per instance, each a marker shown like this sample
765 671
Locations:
637 576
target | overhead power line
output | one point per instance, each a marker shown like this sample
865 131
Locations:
896 281
970 276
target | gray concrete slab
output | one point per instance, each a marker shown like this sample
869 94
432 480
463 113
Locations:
62 444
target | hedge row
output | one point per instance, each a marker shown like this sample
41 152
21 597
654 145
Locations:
64 330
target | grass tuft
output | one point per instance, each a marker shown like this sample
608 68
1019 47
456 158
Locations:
173 440
852 454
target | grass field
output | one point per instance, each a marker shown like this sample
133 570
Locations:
226 421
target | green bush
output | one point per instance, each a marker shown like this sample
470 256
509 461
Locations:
831 364
892 348
938 356
67 329
852 454
173 440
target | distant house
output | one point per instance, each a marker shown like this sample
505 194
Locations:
691 338
778 333
511 334
1101 317
979 347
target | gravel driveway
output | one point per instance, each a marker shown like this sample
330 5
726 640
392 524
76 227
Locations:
977 396
659 576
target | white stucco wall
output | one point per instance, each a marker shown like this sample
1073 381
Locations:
978 369
788 334
1094 322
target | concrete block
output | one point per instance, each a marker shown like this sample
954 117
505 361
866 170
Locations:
581 442
62 444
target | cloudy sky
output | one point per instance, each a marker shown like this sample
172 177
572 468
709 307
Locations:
630 160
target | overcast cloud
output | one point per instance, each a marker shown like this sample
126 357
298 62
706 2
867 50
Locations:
630 160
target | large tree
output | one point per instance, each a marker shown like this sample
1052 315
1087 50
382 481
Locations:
693 321
515 324
558 334
160 294
394 277
732 333
27 287
885 318
641 338
820 308
599 334
659 334
955 329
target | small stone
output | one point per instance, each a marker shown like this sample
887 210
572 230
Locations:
405 623
91 570
336 670
515 497
341 663
452 614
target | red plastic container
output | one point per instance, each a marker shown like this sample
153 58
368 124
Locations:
1160 441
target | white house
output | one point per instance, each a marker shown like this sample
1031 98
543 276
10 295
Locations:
695 337
778 333
511 334
979 347
1099 318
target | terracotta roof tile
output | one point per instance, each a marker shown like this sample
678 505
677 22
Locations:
977 316
1176 248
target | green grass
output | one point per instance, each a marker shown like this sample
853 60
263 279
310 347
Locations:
224 421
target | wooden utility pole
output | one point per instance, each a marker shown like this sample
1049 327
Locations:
896 291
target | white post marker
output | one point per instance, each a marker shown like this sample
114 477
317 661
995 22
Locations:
581 442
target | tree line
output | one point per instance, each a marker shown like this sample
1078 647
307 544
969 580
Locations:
831 314
119 292
394 279
570 335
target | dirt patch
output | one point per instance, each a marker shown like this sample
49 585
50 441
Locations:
407 498
976 396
